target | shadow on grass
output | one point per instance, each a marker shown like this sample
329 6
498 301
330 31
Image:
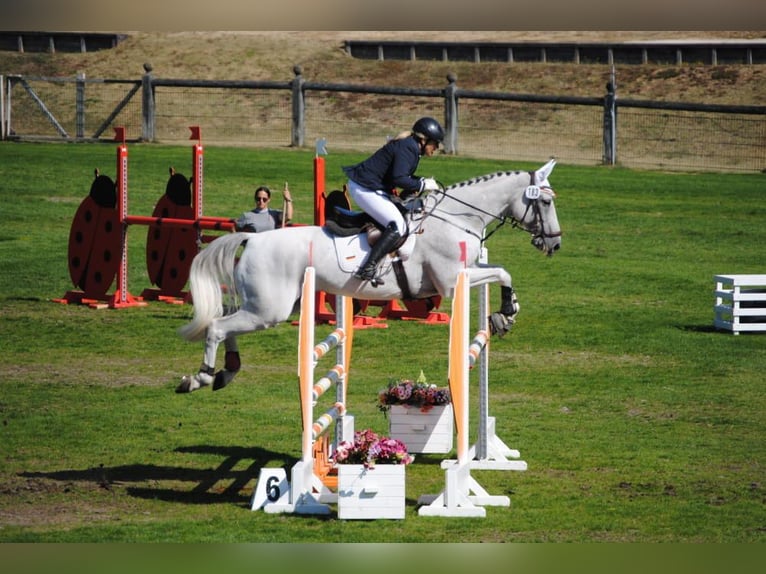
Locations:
223 484
699 328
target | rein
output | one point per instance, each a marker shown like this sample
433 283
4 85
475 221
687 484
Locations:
501 220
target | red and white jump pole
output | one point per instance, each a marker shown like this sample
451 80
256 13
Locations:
122 297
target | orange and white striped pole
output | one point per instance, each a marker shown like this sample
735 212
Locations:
459 362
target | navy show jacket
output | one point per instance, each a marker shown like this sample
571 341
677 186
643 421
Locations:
392 166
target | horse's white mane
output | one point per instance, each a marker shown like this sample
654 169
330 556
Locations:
482 178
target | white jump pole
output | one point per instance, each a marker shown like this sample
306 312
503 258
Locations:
489 452
462 495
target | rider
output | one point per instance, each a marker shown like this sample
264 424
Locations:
371 184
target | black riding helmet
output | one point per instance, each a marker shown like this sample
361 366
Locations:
428 129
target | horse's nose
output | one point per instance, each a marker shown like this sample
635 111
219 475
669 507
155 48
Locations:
556 246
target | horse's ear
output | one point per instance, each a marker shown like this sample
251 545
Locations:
545 171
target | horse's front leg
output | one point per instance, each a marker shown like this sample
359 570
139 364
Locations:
500 322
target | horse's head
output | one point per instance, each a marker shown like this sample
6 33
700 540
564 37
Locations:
535 212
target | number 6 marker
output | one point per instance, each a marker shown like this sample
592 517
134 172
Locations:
272 488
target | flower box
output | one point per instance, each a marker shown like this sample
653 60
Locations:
428 431
369 493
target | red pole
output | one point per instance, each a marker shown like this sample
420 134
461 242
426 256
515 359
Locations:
122 298
221 224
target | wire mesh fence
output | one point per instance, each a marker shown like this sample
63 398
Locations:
48 107
231 116
682 140
531 132
362 122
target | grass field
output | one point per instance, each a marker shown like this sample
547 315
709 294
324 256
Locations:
639 422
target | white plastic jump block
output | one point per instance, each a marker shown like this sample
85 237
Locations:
370 494
740 303
422 432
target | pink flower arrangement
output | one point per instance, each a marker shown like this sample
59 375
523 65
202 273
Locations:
370 449
413 393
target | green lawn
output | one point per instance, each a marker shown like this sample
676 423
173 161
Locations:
638 421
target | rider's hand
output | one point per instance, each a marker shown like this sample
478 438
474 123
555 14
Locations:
429 184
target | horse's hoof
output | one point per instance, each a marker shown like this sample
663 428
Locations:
185 386
500 324
223 378
189 384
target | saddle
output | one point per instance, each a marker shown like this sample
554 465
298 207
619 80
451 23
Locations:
342 221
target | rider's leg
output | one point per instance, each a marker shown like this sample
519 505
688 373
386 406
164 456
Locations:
385 244
378 205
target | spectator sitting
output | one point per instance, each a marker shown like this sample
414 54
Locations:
262 218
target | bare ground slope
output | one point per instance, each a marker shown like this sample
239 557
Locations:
321 55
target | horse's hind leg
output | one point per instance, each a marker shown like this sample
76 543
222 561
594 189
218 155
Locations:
223 330
206 375
203 378
231 365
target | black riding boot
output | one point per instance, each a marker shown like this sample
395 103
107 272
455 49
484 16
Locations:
385 244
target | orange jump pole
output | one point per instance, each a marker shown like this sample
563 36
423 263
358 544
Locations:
322 312
325 303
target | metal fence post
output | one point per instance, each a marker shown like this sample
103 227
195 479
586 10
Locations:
450 115
299 109
2 107
610 124
147 105
80 106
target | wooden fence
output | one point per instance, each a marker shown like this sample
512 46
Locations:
594 130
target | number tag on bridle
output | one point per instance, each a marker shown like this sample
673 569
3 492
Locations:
532 192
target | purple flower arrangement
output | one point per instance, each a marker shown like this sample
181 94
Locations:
413 393
370 448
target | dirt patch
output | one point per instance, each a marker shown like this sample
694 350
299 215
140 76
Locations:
44 502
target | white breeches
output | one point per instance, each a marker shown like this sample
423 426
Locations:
377 204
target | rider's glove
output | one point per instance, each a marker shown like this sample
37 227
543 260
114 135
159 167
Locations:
428 184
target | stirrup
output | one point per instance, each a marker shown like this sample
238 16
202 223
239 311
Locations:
365 275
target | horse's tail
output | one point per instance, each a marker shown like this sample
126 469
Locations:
211 271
